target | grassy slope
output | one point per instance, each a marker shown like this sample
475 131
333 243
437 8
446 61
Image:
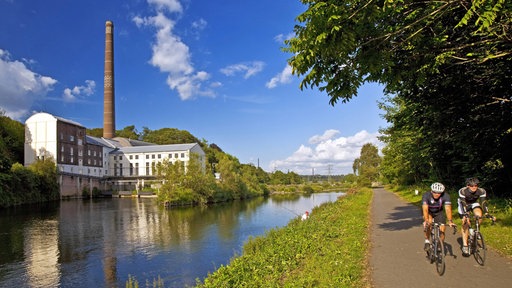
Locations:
327 250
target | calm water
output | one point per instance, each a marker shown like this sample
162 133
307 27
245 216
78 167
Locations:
98 243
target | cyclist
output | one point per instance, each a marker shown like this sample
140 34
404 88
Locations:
471 198
433 204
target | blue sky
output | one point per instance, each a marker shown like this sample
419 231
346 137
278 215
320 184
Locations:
213 68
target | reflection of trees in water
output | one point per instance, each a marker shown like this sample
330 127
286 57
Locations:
183 224
286 197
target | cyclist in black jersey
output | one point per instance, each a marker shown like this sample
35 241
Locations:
471 198
433 203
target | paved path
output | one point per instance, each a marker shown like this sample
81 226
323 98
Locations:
397 258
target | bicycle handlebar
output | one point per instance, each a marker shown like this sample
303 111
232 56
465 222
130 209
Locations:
493 220
430 224
487 215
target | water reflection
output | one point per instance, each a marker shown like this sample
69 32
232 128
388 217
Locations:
101 242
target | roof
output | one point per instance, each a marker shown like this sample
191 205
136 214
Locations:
43 116
100 141
155 148
126 142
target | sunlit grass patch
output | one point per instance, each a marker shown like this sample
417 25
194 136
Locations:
327 250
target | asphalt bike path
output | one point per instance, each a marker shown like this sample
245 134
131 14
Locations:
397 258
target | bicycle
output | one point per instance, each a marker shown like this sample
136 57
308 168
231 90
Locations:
435 253
476 243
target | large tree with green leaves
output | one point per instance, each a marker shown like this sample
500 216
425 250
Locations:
367 165
446 66
340 45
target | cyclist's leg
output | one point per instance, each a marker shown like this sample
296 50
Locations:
478 212
465 229
429 227
440 218
427 233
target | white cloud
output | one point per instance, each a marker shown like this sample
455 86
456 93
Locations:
171 55
250 69
328 134
169 5
282 78
20 87
79 92
281 37
199 24
331 154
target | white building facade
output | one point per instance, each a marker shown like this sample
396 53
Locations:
86 162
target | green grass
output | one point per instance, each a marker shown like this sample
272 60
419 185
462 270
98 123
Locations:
498 236
328 250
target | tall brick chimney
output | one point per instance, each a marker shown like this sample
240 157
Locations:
109 124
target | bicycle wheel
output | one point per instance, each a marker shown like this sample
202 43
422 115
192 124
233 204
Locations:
439 257
479 248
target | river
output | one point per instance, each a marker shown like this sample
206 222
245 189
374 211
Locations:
101 242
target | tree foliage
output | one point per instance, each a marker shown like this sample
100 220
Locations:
12 140
367 165
168 136
340 45
446 68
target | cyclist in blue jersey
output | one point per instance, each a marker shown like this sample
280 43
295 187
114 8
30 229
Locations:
471 198
433 203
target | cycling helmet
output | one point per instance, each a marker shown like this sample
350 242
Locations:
472 181
437 187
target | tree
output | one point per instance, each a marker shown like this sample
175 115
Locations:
445 65
343 44
128 132
368 164
95 132
168 136
12 141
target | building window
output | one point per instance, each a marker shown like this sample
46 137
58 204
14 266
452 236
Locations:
159 156
121 169
136 168
71 138
71 152
147 156
152 156
120 157
147 168
115 169
176 155
136 157
131 169
182 155
131 157
115 157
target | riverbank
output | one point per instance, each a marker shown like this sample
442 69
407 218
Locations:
327 250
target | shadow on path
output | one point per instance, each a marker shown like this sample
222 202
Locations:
397 258
400 218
